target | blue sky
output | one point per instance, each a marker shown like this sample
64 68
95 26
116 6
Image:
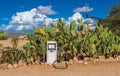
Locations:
59 8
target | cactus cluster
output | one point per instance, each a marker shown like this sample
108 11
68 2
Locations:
77 40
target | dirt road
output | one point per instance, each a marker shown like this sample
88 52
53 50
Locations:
92 69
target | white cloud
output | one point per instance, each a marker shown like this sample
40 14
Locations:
45 10
28 19
75 17
83 9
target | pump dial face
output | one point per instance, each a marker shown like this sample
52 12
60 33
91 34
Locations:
51 46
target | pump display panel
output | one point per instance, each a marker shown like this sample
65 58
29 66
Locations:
51 46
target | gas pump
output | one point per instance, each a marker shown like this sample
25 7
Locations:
51 52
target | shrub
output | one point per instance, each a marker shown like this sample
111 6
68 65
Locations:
3 35
1 44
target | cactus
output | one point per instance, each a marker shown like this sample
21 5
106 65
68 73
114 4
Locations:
74 41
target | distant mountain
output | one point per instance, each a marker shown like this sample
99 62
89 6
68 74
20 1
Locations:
14 34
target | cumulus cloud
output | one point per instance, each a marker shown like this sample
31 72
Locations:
86 21
35 17
83 9
28 19
45 10
75 17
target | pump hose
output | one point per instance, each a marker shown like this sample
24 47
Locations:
61 66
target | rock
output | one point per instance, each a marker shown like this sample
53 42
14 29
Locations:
111 59
85 63
96 60
107 60
46 64
86 59
42 63
10 66
92 59
80 61
21 63
36 62
15 66
116 59
70 61
4 66
75 59
102 58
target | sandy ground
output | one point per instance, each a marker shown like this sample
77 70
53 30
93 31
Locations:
94 69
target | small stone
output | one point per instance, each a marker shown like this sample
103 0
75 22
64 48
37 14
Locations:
86 59
111 58
46 64
36 62
107 60
75 59
85 63
42 63
10 66
117 59
102 58
15 65
96 60
80 61
70 61
21 63
91 59
4 66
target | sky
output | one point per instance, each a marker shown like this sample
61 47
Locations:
15 15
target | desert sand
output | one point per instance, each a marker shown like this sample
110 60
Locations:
94 69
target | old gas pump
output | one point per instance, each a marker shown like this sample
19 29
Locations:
51 52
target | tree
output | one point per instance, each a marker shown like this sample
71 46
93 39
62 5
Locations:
112 21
